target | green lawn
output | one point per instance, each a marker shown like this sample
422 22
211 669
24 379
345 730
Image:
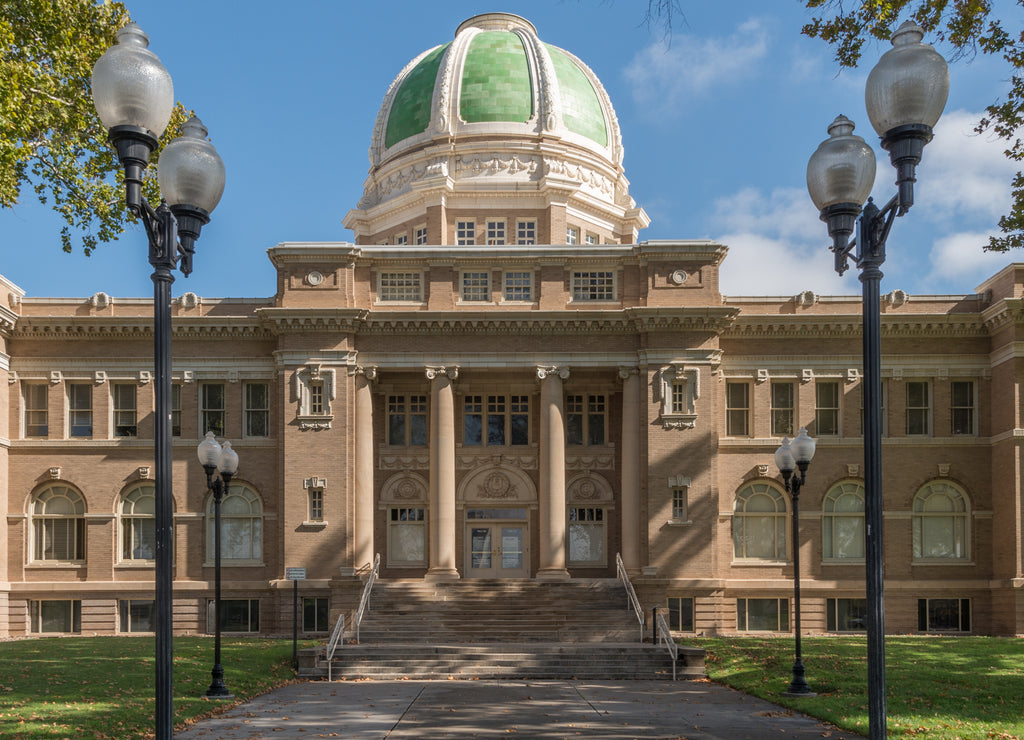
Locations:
937 687
102 687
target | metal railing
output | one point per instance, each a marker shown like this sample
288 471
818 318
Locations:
665 637
332 644
634 602
364 601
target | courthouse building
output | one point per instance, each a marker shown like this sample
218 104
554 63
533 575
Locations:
498 378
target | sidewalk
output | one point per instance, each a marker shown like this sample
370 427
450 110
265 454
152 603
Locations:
360 710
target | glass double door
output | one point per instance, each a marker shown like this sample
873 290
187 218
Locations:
497 549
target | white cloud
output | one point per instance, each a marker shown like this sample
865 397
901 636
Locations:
665 76
960 258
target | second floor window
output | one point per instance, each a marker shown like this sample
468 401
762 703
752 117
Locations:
80 410
495 232
961 403
918 407
826 408
465 233
593 285
421 234
476 287
526 232
506 419
585 419
35 395
211 408
407 421
518 286
176 410
125 410
737 409
257 409
400 286
782 409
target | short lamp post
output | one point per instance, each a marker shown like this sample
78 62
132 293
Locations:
790 457
134 97
905 95
217 458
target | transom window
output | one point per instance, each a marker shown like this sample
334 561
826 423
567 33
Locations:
826 407
465 233
843 522
507 420
407 420
241 525
79 410
211 408
593 285
526 232
782 409
399 287
58 524
476 286
586 419
918 407
495 232
759 523
586 532
940 523
961 403
138 523
518 286
257 409
35 396
737 409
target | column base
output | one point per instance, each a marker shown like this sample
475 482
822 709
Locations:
553 574
441 575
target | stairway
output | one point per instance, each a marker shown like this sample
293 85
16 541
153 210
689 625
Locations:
579 629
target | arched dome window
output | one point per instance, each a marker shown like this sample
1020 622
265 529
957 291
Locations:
137 516
58 524
941 522
759 523
843 522
241 525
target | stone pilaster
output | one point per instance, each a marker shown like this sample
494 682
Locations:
442 474
552 473
632 390
362 555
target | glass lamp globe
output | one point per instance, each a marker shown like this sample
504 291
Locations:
802 447
842 168
190 172
228 463
130 86
784 460
209 451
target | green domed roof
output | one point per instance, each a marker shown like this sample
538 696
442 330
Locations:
496 80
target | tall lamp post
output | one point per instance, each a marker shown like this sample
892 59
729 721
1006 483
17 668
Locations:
789 457
905 94
134 96
216 458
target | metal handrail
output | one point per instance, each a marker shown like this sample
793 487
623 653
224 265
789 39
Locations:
332 644
364 601
634 602
664 636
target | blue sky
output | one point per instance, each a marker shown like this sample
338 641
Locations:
717 129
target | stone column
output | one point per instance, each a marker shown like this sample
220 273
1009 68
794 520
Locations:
552 474
362 555
632 390
442 474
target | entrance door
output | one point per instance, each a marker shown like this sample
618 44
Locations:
496 549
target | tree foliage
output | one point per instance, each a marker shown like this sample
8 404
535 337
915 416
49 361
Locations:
51 139
970 27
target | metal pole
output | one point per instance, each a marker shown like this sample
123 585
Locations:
295 625
217 689
798 686
872 257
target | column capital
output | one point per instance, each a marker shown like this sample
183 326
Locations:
437 371
543 371
367 371
627 371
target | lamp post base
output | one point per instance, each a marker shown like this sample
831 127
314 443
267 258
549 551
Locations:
798 686
217 688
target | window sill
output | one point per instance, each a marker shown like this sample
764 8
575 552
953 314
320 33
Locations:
56 565
678 523
842 561
926 562
225 563
314 525
760 563
135 564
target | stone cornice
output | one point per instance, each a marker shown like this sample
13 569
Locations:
850 326
1007 311
135 327
7 320
282 320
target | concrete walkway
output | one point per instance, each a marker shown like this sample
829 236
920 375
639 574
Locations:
360 710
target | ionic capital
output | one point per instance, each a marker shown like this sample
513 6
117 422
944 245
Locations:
367 371
561 371
452 373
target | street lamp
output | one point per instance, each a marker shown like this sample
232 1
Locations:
790 456
217 458
904 96
133 95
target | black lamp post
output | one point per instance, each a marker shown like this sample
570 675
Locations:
134 97
216 458
905 94
790 456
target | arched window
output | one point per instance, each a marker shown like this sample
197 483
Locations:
759 523
58 524
941 517
241 525
843 524
138 524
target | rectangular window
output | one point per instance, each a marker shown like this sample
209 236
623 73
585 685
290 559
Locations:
585 419
586 536
407 536
257 410
496 420
421 234
944 615
465 233
399 287
846 615
593 285
79 410
407 421
918 407
591 238
783 400
518 286
679 404
125 411
236 615
35 398
507 420
316 615
737 409
680 504
55 616
526 232
961 406
826 408
316 398
211 409
680 614
316 505
176 410
59 538
402 239
495 233
137 615
762 615
473 420
572 235
476 287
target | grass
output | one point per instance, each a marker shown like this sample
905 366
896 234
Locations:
103 687
937 687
